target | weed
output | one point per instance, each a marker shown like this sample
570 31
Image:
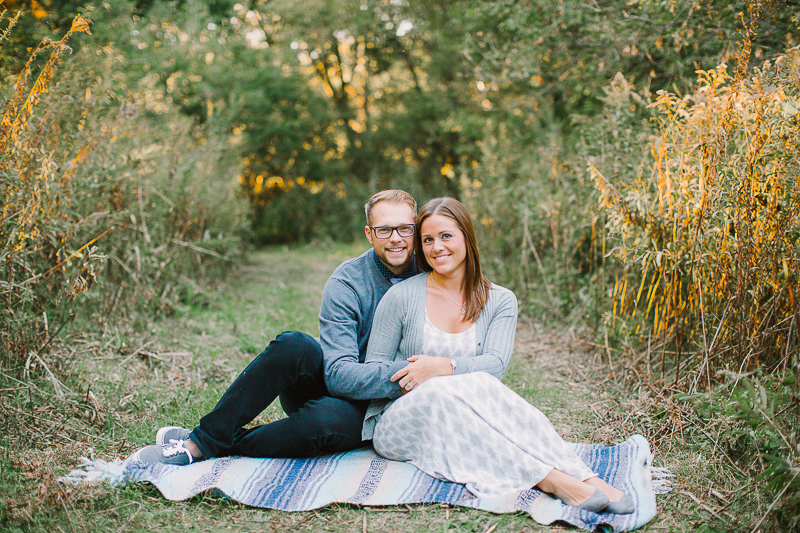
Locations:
708 236
35 239
106 212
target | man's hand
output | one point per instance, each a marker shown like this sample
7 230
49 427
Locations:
420 369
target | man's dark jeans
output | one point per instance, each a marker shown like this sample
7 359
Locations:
290 367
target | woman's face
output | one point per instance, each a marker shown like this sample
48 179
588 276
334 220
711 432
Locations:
443 245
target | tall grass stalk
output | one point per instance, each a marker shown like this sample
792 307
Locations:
714 230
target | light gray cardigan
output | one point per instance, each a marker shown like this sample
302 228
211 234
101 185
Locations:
397 334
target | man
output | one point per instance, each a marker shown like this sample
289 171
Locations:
295 366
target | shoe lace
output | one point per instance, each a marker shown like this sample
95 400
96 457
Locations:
175 447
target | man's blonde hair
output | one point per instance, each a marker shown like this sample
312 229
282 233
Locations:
389 195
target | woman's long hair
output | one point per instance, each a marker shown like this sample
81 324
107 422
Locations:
475 285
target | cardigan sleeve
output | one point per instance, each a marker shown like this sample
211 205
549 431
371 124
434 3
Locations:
385 346
387 329
497 345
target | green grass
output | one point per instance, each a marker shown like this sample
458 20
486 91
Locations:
124 384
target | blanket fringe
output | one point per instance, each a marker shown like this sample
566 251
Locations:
96 471
660 479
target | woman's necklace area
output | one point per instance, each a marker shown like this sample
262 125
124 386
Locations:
463 311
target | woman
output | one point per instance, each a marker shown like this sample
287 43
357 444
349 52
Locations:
468 427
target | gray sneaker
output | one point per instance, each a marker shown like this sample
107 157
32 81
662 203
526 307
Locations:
168 433
172 453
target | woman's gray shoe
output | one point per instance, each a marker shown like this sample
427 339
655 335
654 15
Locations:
172 453
596 503
623 506
168 433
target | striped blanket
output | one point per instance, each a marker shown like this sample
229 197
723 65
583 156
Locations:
361 477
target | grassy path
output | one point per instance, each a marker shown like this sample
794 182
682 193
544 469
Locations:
174 370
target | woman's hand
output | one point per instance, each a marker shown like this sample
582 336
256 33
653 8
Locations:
420 369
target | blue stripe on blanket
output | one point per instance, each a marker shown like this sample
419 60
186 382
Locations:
362 477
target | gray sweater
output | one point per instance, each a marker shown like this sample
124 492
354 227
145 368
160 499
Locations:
398 327
345 320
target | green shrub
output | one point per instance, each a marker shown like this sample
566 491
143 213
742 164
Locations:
754 419
770 406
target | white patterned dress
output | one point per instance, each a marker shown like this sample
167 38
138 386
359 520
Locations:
472 429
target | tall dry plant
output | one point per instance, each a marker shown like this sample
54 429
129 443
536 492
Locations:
710 239
34 239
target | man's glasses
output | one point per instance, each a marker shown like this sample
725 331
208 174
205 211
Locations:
384 232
